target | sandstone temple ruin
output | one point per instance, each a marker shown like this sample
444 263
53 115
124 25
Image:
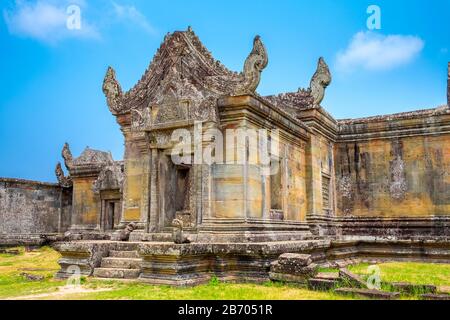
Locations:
340 190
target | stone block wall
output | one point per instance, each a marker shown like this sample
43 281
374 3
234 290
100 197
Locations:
396 177
86 206
393 174
32 208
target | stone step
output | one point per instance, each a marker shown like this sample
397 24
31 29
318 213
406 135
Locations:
121 263
163 237
123 254
151 237
126 246
114 273
322 284
327 276
372 294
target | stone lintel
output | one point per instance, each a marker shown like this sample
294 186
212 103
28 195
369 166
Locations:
261 114
86 171
320 121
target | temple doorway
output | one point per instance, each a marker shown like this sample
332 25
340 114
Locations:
112 213
175 186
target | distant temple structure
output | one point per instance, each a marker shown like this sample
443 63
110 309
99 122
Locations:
285 177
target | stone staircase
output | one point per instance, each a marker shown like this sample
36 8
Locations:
123 264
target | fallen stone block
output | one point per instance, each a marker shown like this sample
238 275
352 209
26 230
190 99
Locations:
288 278
411 288
328 276
322 284
351 279
430 296
444 289
10 251
296 259
32 277
303 271
372 294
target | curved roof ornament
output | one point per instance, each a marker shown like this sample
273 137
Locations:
255 63
320 81
67 156
63 181
113 92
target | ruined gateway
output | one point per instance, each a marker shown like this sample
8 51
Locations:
373 189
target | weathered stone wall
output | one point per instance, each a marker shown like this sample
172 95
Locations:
135 191
86 205
243 189
394 166
33 208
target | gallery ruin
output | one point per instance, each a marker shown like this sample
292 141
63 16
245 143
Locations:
218 180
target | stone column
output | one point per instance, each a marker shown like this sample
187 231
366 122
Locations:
145 190
153 222
448 85
314 177
136 177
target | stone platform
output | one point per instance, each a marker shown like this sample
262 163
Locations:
195 263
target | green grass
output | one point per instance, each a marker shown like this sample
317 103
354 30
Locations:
413 272
44 262
40 262
211 291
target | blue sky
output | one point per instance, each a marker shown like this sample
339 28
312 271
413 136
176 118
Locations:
51 77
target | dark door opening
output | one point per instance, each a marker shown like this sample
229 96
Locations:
112 214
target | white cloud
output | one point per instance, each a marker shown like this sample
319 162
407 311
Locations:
374 51
133 15
45 21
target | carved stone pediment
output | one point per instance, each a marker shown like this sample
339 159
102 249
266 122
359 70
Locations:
184 70
110 178
92 157
177 111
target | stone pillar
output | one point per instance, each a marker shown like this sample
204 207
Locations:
448 85
237 184
314 177
136 177
152 225
145 190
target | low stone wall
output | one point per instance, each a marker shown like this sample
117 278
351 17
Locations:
195 263
30 209
394 165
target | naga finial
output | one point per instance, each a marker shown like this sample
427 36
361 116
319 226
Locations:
320 81
178 235
255 63
112 91
67 156
63 181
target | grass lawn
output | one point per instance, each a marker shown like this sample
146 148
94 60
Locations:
44 262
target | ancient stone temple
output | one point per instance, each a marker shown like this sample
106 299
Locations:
217 179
